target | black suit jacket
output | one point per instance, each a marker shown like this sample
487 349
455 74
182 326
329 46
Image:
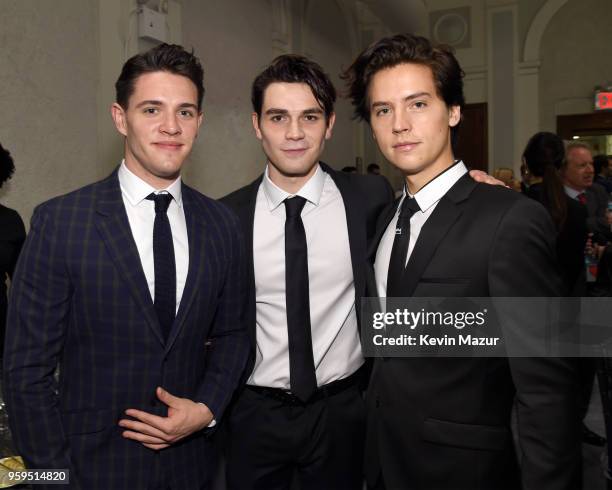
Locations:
597 204
80 299
570 243
444 423
12 236
364 197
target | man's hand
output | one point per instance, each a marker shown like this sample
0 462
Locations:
485 178
184 418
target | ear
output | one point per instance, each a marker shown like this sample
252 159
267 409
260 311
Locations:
330 125
120 118
255 120
454 115
200 120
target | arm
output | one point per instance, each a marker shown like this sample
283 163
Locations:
226 358
522 264
38 308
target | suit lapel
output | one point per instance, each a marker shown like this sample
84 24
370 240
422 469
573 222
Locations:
435 229
245 210
196 236
114 228
356 224
381 226
370 275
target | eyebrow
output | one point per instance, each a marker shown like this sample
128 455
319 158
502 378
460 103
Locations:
312 110
159 103
406 99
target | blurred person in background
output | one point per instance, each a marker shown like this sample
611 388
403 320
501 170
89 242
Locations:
577 173
12 236
566 201
543 157
602 172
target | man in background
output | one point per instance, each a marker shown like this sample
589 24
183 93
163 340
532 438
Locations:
578 173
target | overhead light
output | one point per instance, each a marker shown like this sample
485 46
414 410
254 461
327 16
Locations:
575 137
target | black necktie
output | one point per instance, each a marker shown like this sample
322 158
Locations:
301 361
397 264
165 267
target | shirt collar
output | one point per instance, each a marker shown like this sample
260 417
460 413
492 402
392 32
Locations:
573 193
311 190
136 190
436 188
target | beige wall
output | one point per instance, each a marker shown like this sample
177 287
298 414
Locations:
233 40
48 87
327 41
60 60
576 56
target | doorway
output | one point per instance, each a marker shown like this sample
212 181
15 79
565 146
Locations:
594 129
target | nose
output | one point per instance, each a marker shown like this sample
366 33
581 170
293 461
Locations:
170 125
294 130
401 122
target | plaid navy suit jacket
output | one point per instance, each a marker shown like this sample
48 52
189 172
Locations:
80 300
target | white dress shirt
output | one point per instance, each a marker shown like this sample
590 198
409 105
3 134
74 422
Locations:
572 193
427 198
335 338
141 215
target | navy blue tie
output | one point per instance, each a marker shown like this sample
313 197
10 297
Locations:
303 378
397 263
165 266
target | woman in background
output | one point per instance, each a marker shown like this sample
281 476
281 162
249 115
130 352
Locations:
543 156
12 236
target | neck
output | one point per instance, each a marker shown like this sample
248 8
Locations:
158 183
415 182
289 183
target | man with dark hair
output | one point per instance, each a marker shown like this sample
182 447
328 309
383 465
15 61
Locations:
444 423
134 288
301 413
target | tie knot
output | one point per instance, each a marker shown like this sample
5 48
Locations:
294 206
582 198
162 201
409 207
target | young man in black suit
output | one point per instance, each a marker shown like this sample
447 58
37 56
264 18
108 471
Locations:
444 423
301 411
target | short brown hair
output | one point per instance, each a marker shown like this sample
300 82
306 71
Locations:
293 68
170 58
396 50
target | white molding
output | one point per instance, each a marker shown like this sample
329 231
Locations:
533 40
495 7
